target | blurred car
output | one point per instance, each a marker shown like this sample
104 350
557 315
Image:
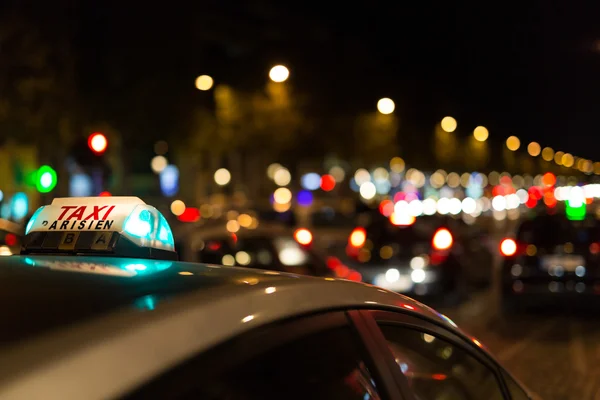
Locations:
10 237
432 256
551 259
271 246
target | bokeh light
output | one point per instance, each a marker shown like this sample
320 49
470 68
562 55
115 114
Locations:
568 160
311 181
327 183
158 164
338 173
232 226
361 176
386 106
177 207
204 82
534 149
397 165
304 198
222 176
244 220
548 154
448 124
513 143
271 169
368 190
549 179
282 196
558 157
279 73
282 177
97 142
481 133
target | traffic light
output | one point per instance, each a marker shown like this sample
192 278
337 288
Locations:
97 143
45 179
89 154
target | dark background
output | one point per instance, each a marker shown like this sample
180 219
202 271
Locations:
528 69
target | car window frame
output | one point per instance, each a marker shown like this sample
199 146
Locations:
403 320
262 339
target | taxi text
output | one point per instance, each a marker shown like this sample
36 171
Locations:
83 218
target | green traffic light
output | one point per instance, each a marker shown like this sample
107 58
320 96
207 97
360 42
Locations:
46 179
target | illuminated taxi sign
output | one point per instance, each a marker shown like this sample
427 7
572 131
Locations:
120 226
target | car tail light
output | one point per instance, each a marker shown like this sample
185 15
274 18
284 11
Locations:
508 247
10 239
595 248
442 239
358 237
303 236
354 276
214 246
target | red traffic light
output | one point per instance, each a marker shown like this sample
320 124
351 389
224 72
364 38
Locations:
97 143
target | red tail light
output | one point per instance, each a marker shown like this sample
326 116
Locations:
595 248
10 239
442 240
358 237
354 276
508 247
303 236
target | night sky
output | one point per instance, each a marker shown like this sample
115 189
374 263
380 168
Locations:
530 71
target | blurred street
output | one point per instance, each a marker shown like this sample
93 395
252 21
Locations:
555 353
443 152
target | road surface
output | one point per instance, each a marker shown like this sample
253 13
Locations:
555 353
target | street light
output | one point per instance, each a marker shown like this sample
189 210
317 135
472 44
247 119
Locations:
204 82
481 133
513 143
386 106
448 124
534 149
97 143
279 73
158 164
222 176
548 154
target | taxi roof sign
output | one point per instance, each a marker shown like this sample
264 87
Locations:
120 226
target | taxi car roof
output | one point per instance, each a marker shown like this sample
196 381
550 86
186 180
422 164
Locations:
56 305
44 292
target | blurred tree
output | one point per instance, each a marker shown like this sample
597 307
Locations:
445 148
476 154
37 89
247 132
376 138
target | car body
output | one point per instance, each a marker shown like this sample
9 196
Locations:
89 327
549 260
429 256
10 237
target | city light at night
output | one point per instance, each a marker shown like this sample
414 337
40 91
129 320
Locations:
279 73
386 106
204 82
481 134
